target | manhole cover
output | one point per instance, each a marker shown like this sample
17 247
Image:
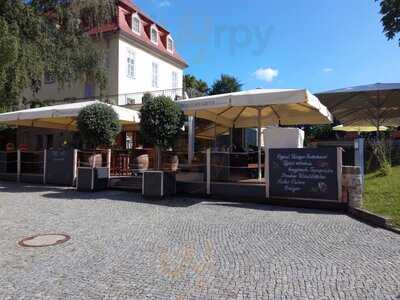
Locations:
44 240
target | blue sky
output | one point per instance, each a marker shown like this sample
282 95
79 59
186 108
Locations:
314 44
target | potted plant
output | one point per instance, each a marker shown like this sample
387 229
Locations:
99 125
161 123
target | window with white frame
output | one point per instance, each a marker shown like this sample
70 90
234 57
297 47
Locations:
136 23
154 83
154 35
170 44
174 80
131 64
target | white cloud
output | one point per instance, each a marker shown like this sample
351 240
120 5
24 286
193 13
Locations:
164 3
266 74
327 70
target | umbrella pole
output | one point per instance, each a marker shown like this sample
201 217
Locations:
215 135
231 139
378 121
259 145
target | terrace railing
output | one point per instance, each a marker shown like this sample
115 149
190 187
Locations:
45 166
137 98
129 99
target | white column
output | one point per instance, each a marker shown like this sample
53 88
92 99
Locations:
19 165
75 168
92 183
44 165
208 163
191 138
109 162
340 172
259 145
267 175
359 155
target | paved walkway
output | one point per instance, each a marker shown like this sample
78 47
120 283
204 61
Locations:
124 248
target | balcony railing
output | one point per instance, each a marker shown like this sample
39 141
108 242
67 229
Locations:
137 98
131 99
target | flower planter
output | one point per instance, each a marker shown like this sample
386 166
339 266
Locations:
142 163
171 164
95 160
157 184
92 179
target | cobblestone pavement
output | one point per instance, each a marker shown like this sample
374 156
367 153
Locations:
124 248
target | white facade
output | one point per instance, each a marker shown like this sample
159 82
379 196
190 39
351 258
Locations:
129 70
153 73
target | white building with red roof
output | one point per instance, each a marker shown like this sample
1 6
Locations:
140 57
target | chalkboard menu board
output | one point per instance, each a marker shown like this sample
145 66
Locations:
60 164
304 173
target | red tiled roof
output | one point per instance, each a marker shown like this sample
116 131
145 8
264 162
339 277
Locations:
123 24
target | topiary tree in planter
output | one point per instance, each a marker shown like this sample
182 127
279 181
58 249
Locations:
161 123
98 124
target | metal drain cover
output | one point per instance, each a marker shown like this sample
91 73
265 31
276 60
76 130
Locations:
44 240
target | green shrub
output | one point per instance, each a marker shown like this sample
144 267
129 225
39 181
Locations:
382 151
161 123
98 124
385 169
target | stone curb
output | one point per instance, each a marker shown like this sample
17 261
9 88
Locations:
373 219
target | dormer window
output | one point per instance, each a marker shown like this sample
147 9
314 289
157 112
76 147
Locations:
154 34
136 23
170 44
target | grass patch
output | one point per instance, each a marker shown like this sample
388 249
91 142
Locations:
382 194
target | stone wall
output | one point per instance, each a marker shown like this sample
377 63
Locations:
352 186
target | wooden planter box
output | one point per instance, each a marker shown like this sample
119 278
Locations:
157 184
92 180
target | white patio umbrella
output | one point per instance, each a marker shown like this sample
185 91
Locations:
367 105
211 132
359 129
259 108
61 116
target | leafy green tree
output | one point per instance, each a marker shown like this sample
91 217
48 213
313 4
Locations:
98 124
390 10
195 87
320 132
202 87
226 84
52 37
161 123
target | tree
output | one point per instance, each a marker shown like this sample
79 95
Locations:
202 87
320 132
98 124
39 37
226 84
390 10
161 123
195 87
